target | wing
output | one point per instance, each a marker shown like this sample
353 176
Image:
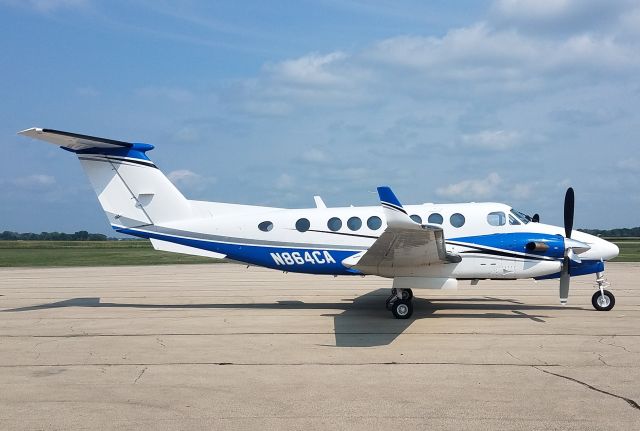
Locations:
404 243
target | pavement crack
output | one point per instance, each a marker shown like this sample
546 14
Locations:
514 356
629 401
602 360
612 344
140 375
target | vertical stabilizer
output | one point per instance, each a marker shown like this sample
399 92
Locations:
130 187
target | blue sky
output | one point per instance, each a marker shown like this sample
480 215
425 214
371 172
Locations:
272 102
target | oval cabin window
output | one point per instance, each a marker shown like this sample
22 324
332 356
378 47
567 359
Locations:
303 225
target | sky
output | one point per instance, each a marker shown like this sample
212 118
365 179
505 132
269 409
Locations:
273 102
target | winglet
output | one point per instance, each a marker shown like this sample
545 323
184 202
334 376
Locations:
389 200
395 214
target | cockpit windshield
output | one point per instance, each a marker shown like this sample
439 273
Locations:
524 218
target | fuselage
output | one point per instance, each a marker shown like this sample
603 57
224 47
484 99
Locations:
490 238
474 241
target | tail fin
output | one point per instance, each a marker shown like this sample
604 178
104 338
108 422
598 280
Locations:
130 188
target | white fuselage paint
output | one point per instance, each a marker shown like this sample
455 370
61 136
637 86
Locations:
241 222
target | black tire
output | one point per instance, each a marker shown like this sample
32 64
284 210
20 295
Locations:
402 309
407 294
604 304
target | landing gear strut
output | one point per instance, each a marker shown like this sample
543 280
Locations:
602 300
399 303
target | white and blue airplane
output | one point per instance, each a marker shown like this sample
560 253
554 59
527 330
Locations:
429 246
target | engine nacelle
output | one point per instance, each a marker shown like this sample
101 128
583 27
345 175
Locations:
544 245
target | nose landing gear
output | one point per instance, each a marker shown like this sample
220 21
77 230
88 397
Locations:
399 303
602 300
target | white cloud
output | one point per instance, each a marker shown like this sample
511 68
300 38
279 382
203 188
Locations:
311 69
189 180
560 16
522 191
472 189
630 164
493 140
284 182
314 155
35 182
188 134
535 9
480 52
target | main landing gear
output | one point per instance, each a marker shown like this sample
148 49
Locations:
602 300
399 303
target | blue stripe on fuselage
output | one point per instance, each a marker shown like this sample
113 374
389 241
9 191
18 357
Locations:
314 261
305 260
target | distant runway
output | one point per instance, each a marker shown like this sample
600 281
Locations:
224 347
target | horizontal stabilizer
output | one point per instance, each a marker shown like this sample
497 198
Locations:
78 142
184 249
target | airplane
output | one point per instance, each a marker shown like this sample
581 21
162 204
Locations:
428 246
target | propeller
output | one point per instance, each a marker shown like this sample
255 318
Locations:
569 205
571 246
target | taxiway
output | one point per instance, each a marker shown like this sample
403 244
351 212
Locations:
225 347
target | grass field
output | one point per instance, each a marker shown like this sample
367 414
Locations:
140 252
629 249
89 253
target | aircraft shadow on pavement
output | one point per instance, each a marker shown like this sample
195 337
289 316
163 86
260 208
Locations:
359 322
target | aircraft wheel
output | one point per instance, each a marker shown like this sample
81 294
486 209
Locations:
407 294
603 302
402 309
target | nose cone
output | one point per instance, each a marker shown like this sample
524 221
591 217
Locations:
607 250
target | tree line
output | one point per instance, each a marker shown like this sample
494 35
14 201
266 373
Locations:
614 233
81 235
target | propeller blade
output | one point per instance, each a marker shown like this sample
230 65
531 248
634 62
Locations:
569 203
564 281
573 256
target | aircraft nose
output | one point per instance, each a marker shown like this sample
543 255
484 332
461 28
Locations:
608 250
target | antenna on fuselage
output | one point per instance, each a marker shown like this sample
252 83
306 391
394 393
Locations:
319 202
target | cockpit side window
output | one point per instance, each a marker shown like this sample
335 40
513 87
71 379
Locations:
496 218
513 220
524 218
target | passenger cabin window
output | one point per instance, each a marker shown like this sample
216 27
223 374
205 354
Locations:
334 224
265 226
354 223
435 218
457 220
303 225
374 222
496 218
416 218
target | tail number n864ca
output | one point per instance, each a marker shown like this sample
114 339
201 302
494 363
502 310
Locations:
299 258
